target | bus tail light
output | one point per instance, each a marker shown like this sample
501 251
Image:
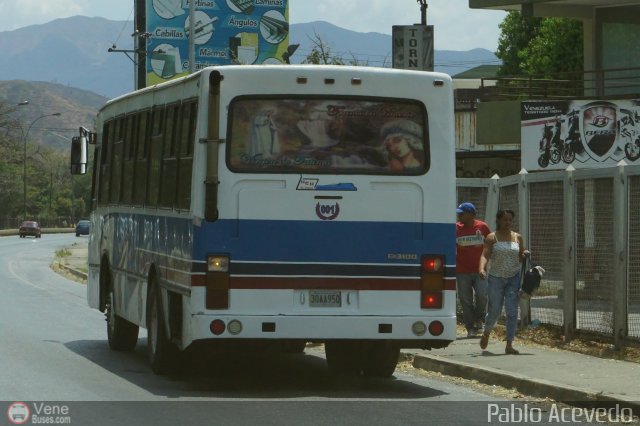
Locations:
431 264
217 327
432 282
436 328
218 263
217 296
431 300
234 327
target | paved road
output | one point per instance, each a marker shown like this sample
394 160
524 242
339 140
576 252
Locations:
54 349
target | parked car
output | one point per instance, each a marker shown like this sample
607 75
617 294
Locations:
82 228
30 227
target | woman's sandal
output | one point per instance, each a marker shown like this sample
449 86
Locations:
511 351
484 341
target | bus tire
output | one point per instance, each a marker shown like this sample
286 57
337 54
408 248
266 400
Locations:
122 335
162 353
344 357
381 360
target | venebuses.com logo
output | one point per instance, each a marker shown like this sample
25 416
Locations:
20 413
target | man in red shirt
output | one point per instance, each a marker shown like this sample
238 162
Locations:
470 234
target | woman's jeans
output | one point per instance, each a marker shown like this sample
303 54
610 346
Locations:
503 292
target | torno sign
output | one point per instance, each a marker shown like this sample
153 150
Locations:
413 47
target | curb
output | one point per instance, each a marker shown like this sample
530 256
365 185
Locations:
524 384
73 271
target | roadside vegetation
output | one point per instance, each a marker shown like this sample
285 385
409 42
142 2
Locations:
53 196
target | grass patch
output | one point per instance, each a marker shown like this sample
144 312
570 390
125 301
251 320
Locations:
63 252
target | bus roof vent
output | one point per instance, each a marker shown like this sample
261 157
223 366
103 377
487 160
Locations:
301 80
329 80
356 81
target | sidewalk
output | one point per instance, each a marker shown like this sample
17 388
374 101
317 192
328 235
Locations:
538 371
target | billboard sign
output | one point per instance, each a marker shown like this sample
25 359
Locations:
584 133
412 47
225 32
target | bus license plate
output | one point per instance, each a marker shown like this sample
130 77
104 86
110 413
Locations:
325 299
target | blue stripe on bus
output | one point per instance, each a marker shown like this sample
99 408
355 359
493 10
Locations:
324 242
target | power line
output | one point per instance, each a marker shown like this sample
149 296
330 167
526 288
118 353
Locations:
124 25
382 59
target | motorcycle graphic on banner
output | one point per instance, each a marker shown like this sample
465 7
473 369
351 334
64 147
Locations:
585 133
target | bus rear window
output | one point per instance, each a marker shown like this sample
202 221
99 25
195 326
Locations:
327 135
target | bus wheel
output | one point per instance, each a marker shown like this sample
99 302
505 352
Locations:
344 357
381 360
121 334
161 352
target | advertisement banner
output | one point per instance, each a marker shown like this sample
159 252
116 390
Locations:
225 32
584 133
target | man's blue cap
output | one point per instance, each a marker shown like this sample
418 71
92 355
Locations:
466 208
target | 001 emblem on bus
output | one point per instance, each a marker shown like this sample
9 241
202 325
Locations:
327 211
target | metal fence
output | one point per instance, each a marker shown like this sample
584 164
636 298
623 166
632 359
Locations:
601 83
580 226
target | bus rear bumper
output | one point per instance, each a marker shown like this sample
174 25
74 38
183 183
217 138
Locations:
405 331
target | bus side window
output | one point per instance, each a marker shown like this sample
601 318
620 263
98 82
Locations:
116 162
129 159
95 179
140 169
168 173
185 153
155 156
105 163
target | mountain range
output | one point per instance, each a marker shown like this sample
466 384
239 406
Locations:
73 52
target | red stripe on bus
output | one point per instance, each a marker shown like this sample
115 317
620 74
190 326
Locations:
450 284
283 283
328 283
198 280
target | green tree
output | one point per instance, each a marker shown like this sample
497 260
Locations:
10 167
516 32
539 46
53 194
556 49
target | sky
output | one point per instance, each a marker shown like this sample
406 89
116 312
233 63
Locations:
456 26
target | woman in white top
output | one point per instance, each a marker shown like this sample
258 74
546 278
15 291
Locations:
503 252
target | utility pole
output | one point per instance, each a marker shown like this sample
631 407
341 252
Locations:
140 44
192 45
423 11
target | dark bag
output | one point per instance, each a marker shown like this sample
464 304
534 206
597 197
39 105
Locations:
531 276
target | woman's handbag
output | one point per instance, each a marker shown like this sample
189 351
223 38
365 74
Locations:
529 282
531 276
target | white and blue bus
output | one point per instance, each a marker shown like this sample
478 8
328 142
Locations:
277 204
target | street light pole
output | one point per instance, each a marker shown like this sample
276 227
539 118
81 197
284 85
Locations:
25 136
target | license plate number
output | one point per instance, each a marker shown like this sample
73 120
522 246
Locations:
325 299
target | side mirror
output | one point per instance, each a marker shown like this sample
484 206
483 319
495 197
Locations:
79 155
